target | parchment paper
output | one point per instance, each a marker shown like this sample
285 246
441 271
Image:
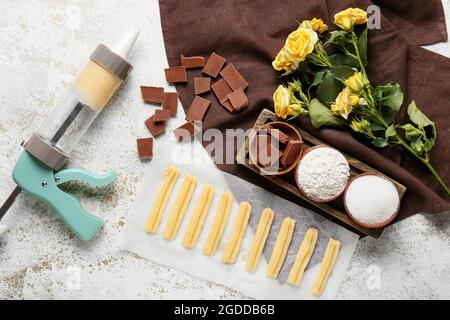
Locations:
193 262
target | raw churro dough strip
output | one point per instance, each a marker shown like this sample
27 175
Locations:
303 257
218 225
259 241
154 219
198 218
179 208
327 265
240 226
281 248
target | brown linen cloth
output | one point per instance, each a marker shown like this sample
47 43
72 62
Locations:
250 33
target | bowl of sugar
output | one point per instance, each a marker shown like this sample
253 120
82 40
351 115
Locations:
371 200
322 173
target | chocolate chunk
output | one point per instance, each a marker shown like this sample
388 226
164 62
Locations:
238 99
198 109
267 153
291 152
214 65
277 134
145 148
161 115
202 85
227 105
170 102
221 90
185 132
176 74
152 94
192 62
234 79
156 128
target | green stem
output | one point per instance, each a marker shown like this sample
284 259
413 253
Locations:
425 161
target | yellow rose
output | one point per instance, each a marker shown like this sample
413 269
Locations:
282 63
345 102
357 82
350 17
281 100
316 24
300 44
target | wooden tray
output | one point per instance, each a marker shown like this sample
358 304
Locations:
335 208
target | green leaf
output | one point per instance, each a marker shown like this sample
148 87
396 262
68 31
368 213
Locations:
418 117
376 127
329 89
318 77
322 116
340 59
390 132
380 142
362 46
390 95
342 73
411 132
418 145
337 37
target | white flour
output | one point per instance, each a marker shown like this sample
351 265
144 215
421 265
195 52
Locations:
323 173
372 199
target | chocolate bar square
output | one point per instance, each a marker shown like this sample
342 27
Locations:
145 148
152 94
156 128
176 74
233 78
214 65
198 109
170 102
202 85
192 62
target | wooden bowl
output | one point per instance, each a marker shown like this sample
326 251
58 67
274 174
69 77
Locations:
374 225
300 187
285 128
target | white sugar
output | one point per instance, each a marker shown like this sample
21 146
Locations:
323 173
371 199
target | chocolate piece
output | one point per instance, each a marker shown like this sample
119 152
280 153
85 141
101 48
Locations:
156 128
152 94
291 152
145 148
198 109
238 99
161 115
221 90
227 105
202 85
176 74
192 62
185 132
234 79
277 134
214 65
267 153
170 102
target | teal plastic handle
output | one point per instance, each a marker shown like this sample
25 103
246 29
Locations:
39 180
88 177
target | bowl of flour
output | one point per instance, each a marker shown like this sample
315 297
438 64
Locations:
322 174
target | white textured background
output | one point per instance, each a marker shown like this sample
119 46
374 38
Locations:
43 44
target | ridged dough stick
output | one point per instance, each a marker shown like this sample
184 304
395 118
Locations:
218 225
154 219
281 247
327 265
259 241
179 208
303 257
240 226
198 218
